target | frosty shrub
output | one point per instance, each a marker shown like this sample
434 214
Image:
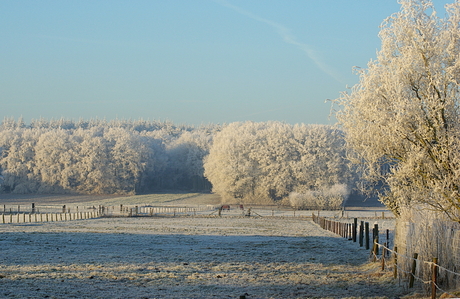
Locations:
323 199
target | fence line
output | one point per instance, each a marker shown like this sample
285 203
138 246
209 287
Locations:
349 231
435 269
148 210
46 217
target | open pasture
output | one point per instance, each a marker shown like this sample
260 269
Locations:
185 257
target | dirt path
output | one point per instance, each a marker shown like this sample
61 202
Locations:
185 258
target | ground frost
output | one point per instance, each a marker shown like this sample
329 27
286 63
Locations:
185 257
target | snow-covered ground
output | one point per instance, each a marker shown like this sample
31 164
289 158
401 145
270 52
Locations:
185 257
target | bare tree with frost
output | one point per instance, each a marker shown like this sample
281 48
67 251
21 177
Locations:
402 119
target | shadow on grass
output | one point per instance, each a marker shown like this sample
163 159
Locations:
109 265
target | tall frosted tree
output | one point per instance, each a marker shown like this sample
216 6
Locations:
402 118
55 158
265 162
17 160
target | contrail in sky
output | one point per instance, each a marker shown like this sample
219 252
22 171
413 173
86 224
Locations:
287 36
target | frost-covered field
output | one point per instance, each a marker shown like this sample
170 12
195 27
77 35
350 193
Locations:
184 257
204 256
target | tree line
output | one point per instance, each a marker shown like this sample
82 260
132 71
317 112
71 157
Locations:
102 157
257 162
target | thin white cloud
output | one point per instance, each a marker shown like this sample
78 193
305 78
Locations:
289 38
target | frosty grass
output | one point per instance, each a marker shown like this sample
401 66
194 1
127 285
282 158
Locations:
186 257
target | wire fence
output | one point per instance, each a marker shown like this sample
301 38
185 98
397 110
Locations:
430 275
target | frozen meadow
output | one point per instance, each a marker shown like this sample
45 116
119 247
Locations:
202 256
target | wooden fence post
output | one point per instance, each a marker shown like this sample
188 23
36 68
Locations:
395 269
384 251
375 250
355 227
361 234
376 236
414 265
434 277
366 234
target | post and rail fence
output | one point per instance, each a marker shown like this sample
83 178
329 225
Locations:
51 213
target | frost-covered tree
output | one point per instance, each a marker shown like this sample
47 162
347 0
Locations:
98 156
402 118
55 158
265 162
18 159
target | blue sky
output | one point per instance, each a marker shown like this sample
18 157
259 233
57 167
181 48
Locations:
187 61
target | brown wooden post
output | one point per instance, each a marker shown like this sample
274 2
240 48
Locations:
383 256
395 269
374 251
388 238
412 276
361 234
376 236
434 277
355 227
366 234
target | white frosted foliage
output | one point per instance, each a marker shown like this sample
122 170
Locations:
402 119
265 162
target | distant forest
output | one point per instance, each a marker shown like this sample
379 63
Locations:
269 160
